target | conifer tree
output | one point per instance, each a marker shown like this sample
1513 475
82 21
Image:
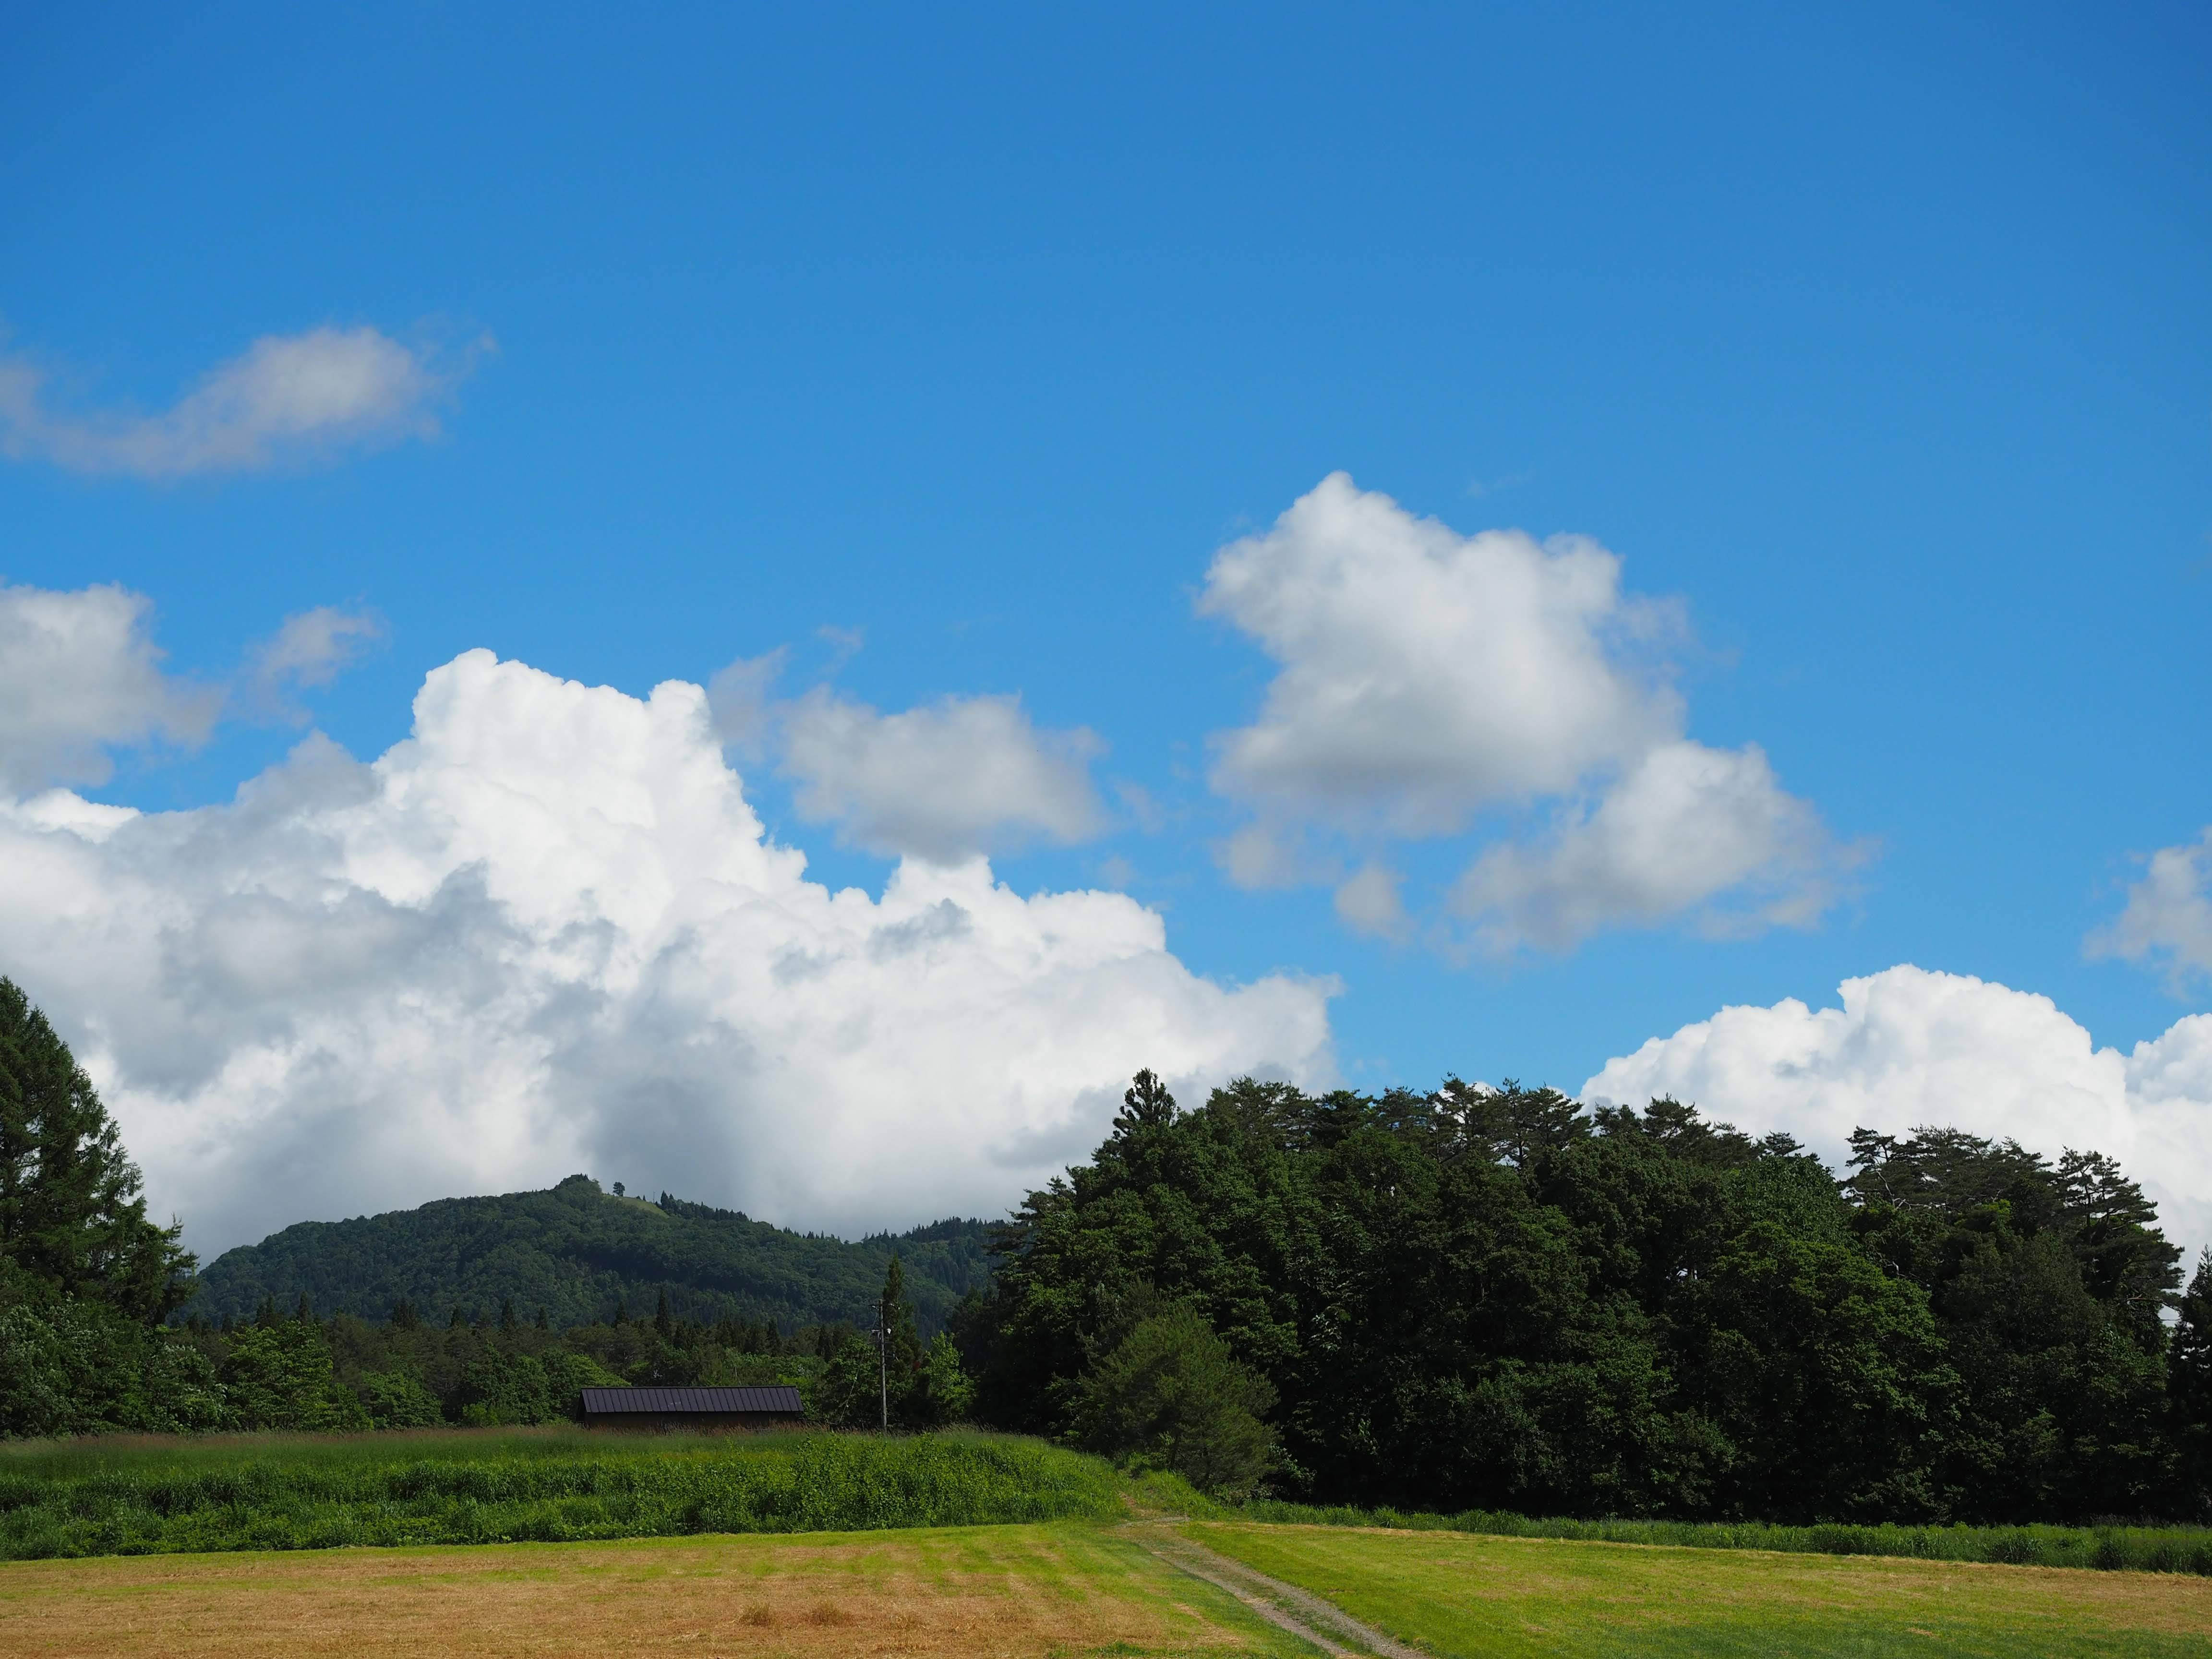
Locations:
72 1218
2188 1388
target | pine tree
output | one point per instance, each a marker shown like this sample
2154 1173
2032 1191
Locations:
1145 1102
72 1218
2188 1388
902 1345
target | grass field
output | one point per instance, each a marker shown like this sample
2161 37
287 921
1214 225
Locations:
2107 1548
117 1496
1464 1596
1022 1592
1076 1587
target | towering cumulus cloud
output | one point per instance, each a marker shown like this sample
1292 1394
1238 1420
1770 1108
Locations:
548 934
1908 1047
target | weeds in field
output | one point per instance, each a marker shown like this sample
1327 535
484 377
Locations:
108 1497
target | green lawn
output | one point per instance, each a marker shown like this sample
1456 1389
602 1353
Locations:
1463 1595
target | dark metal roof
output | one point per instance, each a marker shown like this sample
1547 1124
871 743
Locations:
597 1401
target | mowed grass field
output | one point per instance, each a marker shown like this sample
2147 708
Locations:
1076 1587
1022 1592
1461 1596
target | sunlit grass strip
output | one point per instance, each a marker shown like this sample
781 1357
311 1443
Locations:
108 1499
2143 1549
1463 1596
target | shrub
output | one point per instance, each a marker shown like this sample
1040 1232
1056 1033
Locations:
1171 1396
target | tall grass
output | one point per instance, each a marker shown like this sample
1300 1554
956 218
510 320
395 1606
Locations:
2145 1549
146 1496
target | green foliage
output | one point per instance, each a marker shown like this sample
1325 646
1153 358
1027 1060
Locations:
1496 1298
1170 1396
892 1373
578 1253
2188 1388
944 1393
95 1498
280 1376
72 1221
394 1399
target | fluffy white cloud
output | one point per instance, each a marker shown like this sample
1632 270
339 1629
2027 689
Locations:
545 933
958 778
80 675
1909 1047
1687 826
79 672
1428 677
2168 915
285 395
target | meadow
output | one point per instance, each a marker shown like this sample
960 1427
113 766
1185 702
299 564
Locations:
1467 1597
2109 1546
124 1495
1053 1590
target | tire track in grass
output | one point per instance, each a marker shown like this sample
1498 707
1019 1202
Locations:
1286 1606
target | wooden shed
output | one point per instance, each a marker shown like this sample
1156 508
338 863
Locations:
690 1408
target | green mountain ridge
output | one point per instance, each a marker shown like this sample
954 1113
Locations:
579 1253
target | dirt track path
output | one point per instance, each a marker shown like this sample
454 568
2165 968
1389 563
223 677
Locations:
1285 1605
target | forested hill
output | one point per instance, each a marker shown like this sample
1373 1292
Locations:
577 1252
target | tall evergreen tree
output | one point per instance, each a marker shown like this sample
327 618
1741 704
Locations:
2189 1390
72 1217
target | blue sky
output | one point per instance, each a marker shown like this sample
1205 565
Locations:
1875 336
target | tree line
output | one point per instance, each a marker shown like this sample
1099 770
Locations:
1499 1299
1468 1298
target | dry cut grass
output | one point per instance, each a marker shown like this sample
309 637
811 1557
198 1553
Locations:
982 1591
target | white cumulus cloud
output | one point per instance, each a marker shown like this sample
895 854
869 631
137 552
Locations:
80 676
285 396
1426 675
945 781
1686 825
2168 915
1429 678
1910 1047
80 673
949 780
546 933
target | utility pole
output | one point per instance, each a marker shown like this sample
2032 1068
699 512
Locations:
883 1366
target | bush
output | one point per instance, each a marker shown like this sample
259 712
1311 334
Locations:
1171 1396
394 1399
280 1376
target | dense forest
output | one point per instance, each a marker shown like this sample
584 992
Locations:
1474 1297
1497 1298
580 1253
